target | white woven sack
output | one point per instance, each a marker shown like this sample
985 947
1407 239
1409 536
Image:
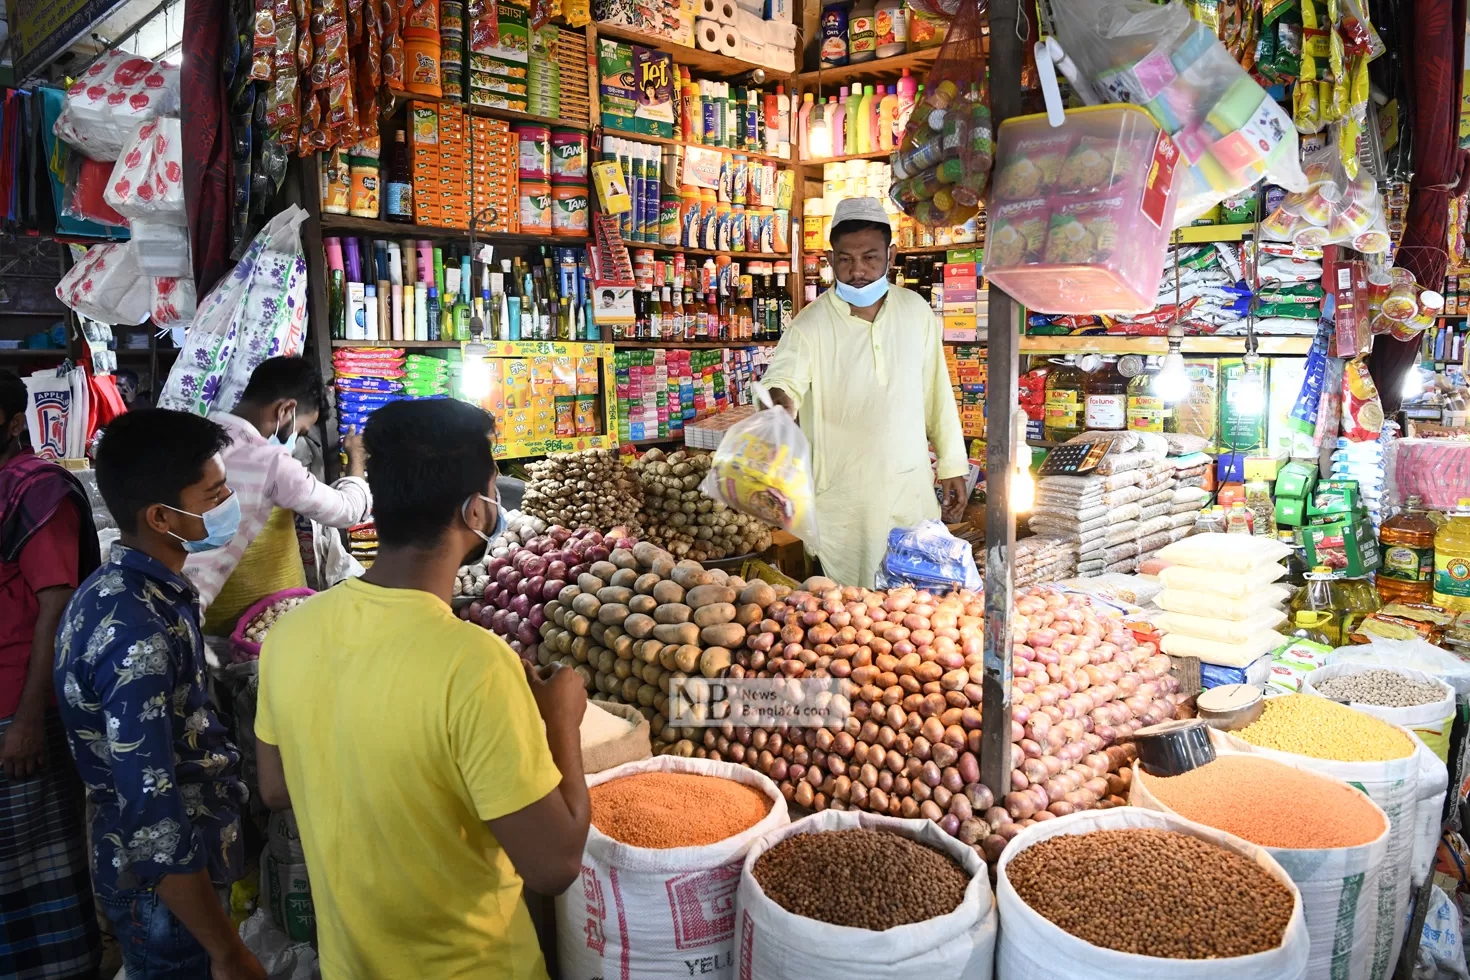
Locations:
1431 722
1033 948
1399 787
775 944
658 913
1339 889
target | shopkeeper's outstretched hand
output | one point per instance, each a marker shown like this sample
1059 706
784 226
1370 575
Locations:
560 696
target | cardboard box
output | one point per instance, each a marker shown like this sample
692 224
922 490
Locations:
1348 548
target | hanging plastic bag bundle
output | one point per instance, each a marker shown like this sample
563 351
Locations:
257 311
763 467
147 180
1229 132
1335 209
106 285
942 164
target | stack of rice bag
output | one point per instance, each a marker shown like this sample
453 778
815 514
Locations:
1044 558
1362 461
425 376
367 378
1104 512
1221 604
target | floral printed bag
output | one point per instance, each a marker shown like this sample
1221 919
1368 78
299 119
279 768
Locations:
258 311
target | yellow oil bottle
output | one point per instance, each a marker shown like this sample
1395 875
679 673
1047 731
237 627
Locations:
1452 560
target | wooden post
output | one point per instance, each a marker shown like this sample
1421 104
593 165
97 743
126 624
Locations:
1006 59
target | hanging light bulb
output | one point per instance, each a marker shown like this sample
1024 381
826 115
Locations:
1022 490
1172 383
1248 393
475 372
819 134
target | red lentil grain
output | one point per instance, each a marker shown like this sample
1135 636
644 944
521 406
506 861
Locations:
1270 804
675 809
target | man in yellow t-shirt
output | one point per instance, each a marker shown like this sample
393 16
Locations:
410 743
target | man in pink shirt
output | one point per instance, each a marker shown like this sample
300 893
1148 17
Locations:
284 399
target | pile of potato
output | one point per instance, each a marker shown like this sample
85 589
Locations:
633 624
679 516
590 488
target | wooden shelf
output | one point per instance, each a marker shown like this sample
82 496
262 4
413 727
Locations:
666 141
644 246
653 441
492 112
935 249
874 155
420 344
378 228
707 62
1160 345
29 352
693 344
1214 233
877 70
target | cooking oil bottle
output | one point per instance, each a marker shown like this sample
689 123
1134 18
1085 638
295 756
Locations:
1452 560
1064 416
1359 600
1407 541
1306 624
1325 601
1296 562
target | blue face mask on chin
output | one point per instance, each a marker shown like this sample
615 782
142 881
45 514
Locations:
862 296
500 522
220 524
290 440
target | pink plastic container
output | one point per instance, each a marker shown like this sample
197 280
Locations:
243 648
1079 215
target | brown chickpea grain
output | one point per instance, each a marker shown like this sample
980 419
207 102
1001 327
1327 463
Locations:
1153 893
831 877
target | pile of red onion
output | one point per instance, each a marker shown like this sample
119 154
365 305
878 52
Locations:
528 576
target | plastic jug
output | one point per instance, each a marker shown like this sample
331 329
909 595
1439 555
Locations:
1407 541
887 116
837 122
865 143
802 122
1452 560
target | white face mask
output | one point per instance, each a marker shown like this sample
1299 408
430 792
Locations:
500 522
290 440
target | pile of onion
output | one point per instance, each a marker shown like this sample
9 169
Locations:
528 576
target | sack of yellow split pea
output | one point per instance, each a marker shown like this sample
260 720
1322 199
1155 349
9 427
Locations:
763 467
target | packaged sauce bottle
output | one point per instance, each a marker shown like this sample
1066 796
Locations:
1452 560
1063 412
1407 541
1106 397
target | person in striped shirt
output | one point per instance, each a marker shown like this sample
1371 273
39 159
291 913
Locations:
285 398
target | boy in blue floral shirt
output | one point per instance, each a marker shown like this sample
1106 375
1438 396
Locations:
129 679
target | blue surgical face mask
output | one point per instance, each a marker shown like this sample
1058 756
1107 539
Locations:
220 524
862 296
290 441
500 522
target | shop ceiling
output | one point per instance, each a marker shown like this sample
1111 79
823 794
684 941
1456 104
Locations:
49 40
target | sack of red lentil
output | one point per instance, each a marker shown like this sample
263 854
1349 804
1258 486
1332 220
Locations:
1099 880
855 935
1410 791
1339 885
1425 703
656 898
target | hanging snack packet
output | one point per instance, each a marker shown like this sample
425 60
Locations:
1362 413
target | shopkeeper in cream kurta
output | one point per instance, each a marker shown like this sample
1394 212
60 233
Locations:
863 370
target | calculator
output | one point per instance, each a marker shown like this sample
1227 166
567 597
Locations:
1074 458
